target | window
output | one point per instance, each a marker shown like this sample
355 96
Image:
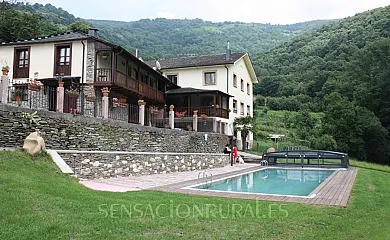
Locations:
209 78
248 88
242 108
63 60
172 78
234 80
248 110
22 60
64 55
242 85
129 68
135 70
235 106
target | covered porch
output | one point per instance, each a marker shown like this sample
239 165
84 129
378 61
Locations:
212 103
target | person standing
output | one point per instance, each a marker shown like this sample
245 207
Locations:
235 154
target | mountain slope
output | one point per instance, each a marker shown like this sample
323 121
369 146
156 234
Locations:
164 38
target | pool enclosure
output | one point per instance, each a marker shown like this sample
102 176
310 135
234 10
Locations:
315 158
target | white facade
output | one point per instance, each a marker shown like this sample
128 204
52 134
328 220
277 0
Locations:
242 92
41 59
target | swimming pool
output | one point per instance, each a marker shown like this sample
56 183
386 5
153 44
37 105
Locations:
275 181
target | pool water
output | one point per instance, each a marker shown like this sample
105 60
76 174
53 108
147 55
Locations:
293 182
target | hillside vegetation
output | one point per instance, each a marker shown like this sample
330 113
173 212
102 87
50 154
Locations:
164 38
343 70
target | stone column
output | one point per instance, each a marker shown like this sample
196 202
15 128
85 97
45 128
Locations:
4 89
195 121
214 125
60 98
105 105
171 118
141 112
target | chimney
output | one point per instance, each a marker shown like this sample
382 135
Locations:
136 52
228 51
93 32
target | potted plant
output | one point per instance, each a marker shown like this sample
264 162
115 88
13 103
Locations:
180 114
104 55
154 109
60 78
72 92
105 91
203 116
5 70
171 107
141 102
34 85
115 102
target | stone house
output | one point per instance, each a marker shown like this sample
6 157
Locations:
220 86
86 64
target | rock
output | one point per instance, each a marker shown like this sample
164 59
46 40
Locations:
34 144
109 165
96 164
124 162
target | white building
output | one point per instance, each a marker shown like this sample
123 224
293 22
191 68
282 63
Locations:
231 74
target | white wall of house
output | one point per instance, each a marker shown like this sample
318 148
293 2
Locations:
194 77
42 59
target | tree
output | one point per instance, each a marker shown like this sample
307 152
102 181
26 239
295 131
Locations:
244 125
78 27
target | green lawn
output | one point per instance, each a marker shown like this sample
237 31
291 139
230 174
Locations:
39 202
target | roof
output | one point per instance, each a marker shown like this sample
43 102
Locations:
205 60
190 90
63 37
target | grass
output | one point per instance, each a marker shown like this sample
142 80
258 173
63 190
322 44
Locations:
39 202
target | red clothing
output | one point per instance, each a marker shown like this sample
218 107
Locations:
235 152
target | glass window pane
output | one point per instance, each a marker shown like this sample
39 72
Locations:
67 59
67 51
62 59
20 63
62 52
26 55
21 55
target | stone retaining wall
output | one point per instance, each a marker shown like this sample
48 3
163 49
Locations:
105 165
65 131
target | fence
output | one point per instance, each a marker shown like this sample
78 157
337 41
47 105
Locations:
76 102
44 98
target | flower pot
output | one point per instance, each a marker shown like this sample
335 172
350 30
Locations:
171 109
115 105
105 94
33 88
5 72
60 84
18 98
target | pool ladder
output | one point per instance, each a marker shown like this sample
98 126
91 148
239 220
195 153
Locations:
206 178
264 163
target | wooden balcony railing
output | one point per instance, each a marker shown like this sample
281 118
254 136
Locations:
209 111
105 75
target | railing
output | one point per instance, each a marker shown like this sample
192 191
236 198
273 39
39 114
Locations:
119 111
104 75
209 111
44 97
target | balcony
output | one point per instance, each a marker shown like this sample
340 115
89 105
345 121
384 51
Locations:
104 78
209 111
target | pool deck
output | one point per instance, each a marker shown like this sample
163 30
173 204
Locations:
334 191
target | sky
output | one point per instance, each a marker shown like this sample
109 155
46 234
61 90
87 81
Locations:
258 11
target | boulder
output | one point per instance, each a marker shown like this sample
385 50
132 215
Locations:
34 144
270 150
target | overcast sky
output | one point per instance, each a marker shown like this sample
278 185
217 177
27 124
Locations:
259 11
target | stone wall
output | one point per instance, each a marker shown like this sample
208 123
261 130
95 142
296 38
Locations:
65 131
105 165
